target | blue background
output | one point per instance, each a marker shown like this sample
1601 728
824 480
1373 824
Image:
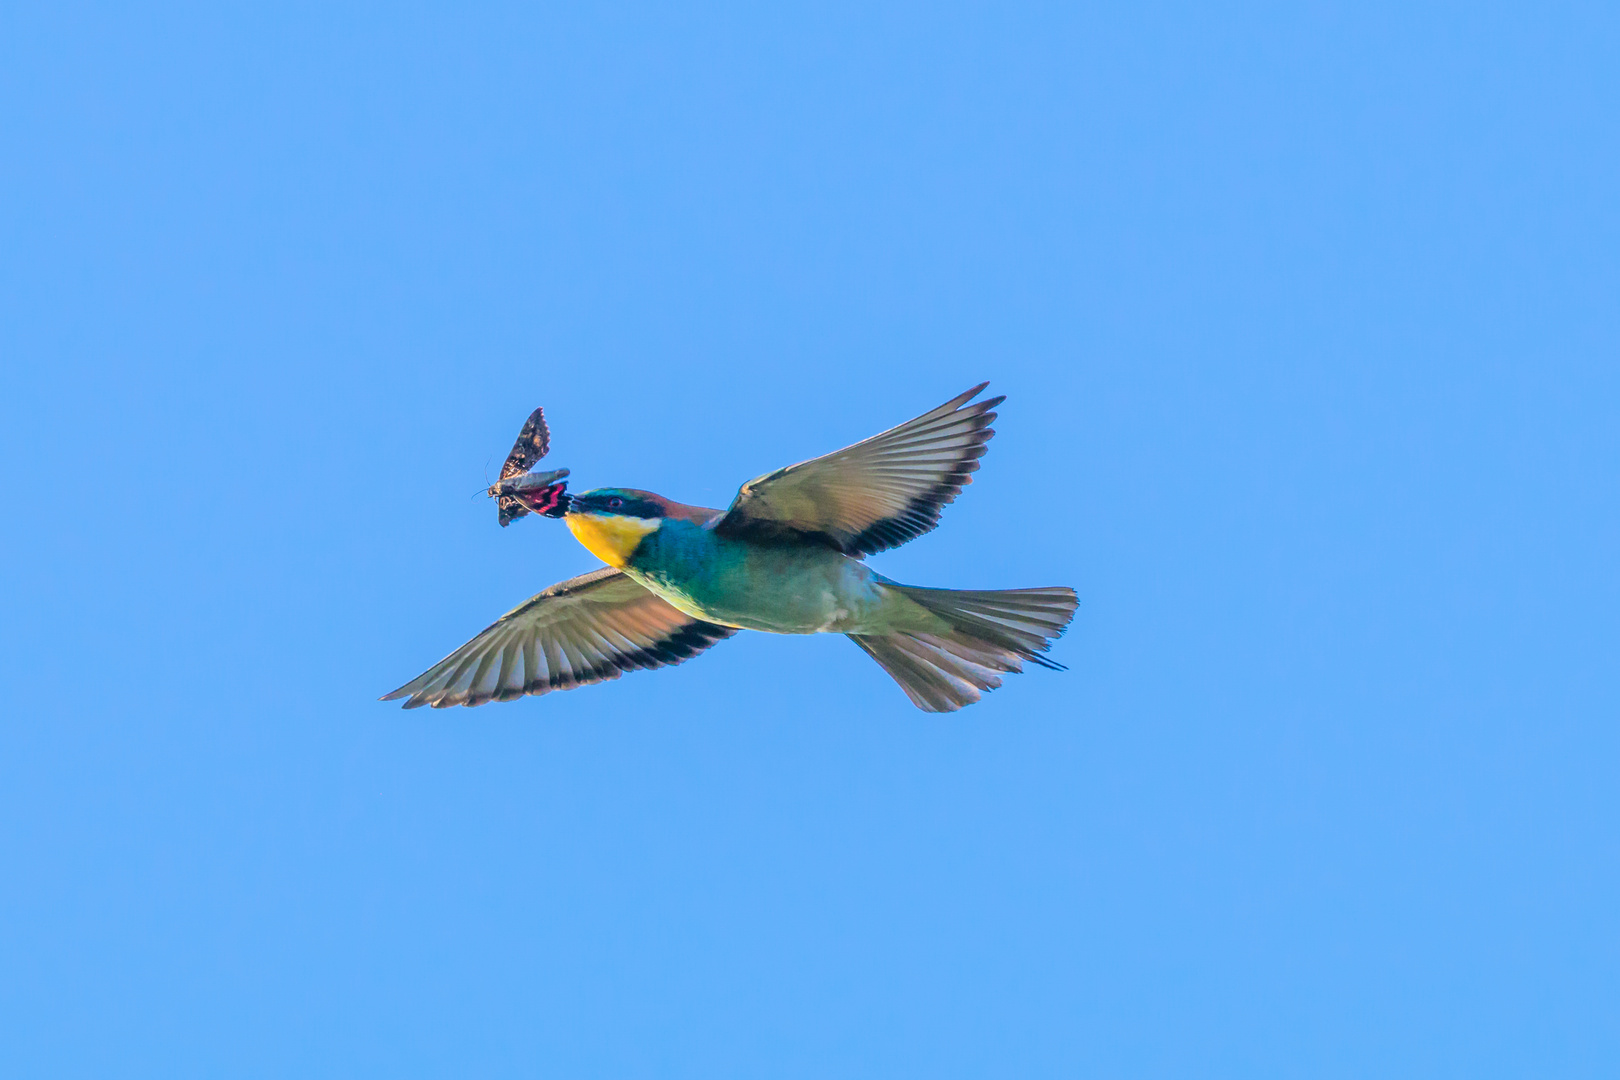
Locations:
1307 317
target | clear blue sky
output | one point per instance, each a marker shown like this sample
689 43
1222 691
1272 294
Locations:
1307 317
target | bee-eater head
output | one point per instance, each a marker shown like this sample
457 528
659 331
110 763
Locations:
612 522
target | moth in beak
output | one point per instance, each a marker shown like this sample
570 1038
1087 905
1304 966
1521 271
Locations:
542 492
519 491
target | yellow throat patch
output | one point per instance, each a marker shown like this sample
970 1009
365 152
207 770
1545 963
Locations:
610 537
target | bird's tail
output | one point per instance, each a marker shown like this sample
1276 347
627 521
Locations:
988 632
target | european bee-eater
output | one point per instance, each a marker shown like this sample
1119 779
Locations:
785 557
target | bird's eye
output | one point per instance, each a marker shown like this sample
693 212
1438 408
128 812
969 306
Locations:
614 503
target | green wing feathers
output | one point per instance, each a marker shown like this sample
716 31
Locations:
874 495
584 630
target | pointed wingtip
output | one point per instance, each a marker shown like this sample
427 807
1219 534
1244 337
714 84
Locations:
962 399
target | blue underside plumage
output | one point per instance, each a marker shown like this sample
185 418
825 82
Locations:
779 588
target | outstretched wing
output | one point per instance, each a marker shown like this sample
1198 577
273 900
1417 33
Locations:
874 495
532 443
584 630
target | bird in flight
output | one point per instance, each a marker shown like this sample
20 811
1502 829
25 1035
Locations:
784 558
